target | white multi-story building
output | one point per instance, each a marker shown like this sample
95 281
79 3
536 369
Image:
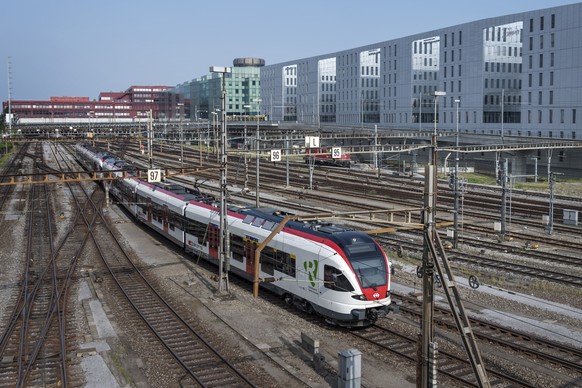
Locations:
518 75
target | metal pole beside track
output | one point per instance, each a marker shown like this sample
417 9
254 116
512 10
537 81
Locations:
224 240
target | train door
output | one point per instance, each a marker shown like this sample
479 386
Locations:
250 249
213 235
149 210
165 220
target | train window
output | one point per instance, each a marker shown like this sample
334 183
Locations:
197 229
176 221
141 204
268 260
371 271
237 247
285 263
334 279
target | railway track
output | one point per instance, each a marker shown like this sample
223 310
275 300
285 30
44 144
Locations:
200 361
525 270
34 339
530 271
554 354
451 365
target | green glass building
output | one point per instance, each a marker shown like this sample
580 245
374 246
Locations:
201 96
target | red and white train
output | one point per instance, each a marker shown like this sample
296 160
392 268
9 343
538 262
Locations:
336 272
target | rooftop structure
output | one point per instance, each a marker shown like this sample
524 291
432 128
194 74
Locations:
202 95
517 75
134 103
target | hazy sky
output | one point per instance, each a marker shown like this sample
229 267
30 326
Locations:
81 48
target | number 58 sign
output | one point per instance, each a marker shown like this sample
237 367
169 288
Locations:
154 176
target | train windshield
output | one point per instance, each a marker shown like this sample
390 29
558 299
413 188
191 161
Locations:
368 264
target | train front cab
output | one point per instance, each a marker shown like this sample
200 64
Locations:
356 292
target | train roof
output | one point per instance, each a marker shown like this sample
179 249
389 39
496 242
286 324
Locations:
184 192
268 218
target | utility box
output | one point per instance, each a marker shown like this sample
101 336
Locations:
570 217
350 369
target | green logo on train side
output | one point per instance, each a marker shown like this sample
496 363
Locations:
311 268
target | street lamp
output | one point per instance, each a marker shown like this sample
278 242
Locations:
258 102
151 140
245 150
213 137
456 186
181 105
436 95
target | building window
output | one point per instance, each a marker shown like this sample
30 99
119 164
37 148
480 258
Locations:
553 21
551 97
541 79
530 43
541 23
540 97
551 59
551 78
573 116
541 42
552 40
561 116
529 116
539 117
541 61
530 77
530 61
460 38
551 116
531 23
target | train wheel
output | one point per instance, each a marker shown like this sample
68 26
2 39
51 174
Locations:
288 299
308 308
473 281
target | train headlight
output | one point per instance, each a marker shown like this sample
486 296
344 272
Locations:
359 297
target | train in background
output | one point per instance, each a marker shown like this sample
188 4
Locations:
331 270
323 156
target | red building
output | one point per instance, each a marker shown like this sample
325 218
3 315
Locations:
134 103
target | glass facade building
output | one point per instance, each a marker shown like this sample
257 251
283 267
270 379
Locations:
243 94
520 74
